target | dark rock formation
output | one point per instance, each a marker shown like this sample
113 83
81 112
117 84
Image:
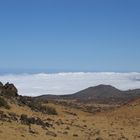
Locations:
8 90
13 116
1 85
31 120
8 117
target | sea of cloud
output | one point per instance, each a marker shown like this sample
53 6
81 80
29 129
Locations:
67 83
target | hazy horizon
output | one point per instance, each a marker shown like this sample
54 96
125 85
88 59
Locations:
4 71
69 82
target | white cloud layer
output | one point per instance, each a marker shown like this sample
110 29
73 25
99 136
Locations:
67 83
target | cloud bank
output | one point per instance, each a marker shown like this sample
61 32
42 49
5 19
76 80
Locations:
67 83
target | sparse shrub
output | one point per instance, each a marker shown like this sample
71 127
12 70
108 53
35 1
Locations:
49 110
75 135
3 103
65 133
67 128
37 106
99 138
24 119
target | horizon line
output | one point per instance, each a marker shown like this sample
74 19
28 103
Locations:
65 72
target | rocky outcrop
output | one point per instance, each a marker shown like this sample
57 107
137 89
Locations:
11 116
32 120
8 90
1 84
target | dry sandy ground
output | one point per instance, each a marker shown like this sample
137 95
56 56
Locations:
120 124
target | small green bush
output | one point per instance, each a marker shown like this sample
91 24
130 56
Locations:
3 103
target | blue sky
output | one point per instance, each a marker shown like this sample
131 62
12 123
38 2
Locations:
69 35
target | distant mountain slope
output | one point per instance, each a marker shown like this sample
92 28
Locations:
97 91
100 94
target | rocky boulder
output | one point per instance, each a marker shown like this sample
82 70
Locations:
1 86
32 120
9 90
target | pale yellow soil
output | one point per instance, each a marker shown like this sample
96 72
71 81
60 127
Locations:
121 124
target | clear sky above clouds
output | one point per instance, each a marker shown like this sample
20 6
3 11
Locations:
70 35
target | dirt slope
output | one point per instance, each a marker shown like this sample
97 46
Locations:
72 124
